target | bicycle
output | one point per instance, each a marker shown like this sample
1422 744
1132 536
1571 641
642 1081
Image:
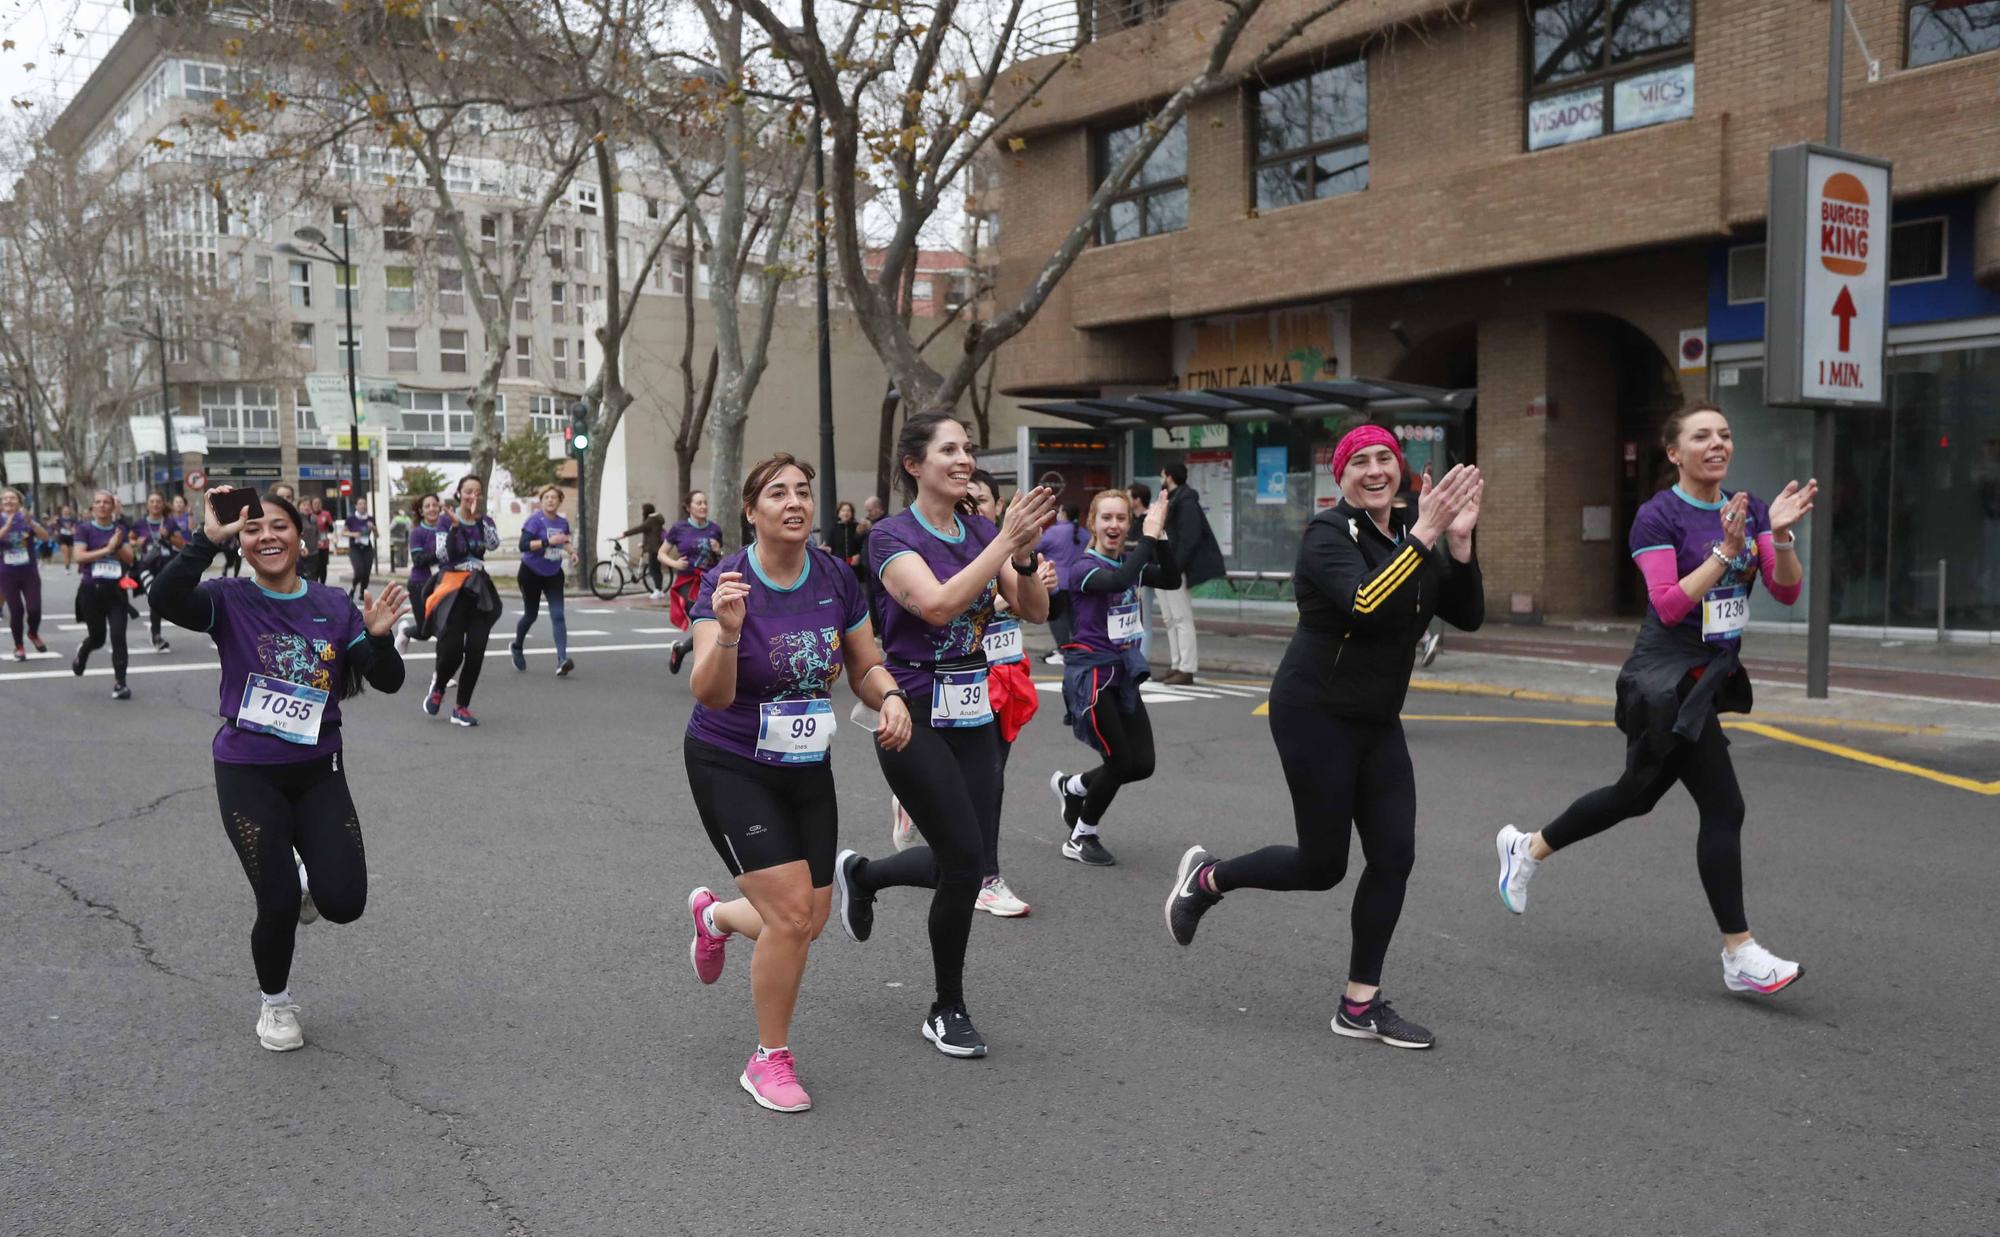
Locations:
613 576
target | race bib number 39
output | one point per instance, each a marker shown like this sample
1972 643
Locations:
1724 613
1003 642
958 698
291 711
794 732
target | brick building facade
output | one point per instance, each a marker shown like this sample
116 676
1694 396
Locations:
1505 196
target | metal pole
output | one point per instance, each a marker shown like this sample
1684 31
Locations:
829 487
583 498
1819 605
353 391
1941 576
34 454
166 400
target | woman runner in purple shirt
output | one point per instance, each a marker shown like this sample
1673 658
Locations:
774 626
545 549
1702 549
291 651
941 567
20 574
423 560
101 555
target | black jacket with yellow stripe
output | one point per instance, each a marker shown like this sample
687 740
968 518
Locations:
1364 599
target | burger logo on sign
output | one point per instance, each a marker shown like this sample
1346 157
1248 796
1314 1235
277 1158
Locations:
1843 225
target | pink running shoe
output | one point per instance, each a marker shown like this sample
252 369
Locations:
773 1081
705 950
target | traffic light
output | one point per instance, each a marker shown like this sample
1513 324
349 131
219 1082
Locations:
578 432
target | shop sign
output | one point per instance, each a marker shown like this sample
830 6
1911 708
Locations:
1653 98
1564 118
1303 344
1191 438
1828 278
378 401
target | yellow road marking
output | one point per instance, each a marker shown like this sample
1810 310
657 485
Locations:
1449 688
1952 780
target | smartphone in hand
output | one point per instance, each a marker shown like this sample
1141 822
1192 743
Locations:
229 507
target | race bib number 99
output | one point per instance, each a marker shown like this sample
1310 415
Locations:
958 698
794 732
291 711
1724 614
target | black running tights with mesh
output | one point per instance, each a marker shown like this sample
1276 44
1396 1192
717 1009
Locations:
271 810
1704 767
1345 777
946 779
461 647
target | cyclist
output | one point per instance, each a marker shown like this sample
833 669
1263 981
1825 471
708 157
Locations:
1369 577
1103 667
773 628
544 550
941 567
291 652
1701 549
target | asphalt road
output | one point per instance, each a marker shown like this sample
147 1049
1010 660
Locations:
512 1041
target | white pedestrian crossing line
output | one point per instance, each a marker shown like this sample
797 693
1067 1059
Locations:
1154 693
658 631
104 671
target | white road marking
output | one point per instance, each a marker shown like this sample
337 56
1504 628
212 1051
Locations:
659 631
412 655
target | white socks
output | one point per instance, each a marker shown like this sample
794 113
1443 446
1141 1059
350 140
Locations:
1083 831
278 998
1074 786
708 920
763 1052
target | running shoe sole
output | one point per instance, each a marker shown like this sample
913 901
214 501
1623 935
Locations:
1506 868
951 1050
1181 875
845 895
751 1087
1363 1033
1006 914
1071 850
456 720
1737 985
271 1047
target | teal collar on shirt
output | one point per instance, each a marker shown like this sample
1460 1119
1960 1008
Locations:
793 587
952 538
1692 501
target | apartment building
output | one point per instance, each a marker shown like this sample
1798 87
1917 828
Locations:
1557 205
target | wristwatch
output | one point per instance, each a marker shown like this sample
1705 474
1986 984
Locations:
898 693
1028 569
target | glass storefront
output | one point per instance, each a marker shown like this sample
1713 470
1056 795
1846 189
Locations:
1915 493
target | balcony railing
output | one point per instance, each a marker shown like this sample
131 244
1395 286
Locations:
1050 26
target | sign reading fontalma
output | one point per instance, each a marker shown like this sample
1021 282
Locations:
1827 294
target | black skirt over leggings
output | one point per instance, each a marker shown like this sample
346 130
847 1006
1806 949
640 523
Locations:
271 810
946 778
1343 775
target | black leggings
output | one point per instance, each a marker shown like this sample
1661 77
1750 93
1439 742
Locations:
1062 623
463 642
362 561
989 858
534 587
22 593
1128 755
101 604
271 810
945 778
1341 773
1705 769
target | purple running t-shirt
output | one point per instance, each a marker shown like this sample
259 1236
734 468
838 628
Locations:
690 541
907 637
300 638
547 561
790 647
1102 622
90 535
1692 529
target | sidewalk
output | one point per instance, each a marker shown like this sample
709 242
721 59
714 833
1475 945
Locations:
1896 684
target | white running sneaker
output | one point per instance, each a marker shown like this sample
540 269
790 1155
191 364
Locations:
308 911
403 630
278 1028
998 900
1516 867
902 830
1753 968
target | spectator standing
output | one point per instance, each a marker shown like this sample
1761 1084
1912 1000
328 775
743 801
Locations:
1142 498
1192 544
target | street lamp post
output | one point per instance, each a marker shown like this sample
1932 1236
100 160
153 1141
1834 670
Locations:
829 488
157 336
342 262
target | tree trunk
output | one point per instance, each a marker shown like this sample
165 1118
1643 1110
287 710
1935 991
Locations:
886 446
726 420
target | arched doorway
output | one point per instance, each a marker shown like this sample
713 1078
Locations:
1448 359
1644 388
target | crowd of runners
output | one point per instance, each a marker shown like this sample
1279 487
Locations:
923 614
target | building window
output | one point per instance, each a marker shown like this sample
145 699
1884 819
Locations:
558 303
261 271
524 356
302 339
399 230
451 351
545 414
241 416
489 235
677 274
302 413
302 284
346 293
349 347
586 198
1598 68
1157 199
652 208
399 289
1746 274
559 356
1312 136
206 82
451 291
1948 29
1917 250
402 350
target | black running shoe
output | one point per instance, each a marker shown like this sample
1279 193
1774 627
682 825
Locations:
857 905
1072 805
676 654
120 692
161 646
1189 901
563 671
950 1029
520 658
1383 1023
1087 850
76 665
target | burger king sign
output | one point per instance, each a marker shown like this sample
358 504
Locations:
1827 300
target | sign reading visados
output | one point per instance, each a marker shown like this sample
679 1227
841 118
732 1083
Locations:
1827 301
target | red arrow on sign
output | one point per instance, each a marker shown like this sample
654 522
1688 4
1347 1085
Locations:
1843 309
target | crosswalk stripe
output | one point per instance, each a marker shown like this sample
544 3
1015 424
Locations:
211 666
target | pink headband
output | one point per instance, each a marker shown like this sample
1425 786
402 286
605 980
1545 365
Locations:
1363 436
